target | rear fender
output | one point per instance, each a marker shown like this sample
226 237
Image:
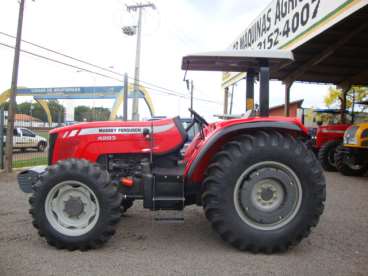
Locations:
196 167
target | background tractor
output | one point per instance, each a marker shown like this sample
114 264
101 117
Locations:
261 188
325 138
352 157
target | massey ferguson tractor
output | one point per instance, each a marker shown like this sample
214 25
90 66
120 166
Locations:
261 188
325 139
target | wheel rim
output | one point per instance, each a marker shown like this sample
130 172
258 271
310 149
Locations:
72 208
267 195
41 147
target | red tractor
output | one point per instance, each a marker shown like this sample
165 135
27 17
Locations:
326 138
261 187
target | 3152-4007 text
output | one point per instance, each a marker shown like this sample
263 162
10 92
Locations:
291 25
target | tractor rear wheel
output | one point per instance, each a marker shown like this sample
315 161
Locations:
326 155
264 191
74 205
348 164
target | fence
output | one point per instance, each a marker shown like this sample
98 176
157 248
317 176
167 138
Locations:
30 142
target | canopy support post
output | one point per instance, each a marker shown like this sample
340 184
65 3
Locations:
287 99
264 90
249 100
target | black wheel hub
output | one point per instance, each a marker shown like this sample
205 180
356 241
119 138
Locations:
267 194
74 207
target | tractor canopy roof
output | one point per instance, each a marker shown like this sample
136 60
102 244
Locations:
238 61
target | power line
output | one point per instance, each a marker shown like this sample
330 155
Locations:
86 62
65 55
63 63
149 85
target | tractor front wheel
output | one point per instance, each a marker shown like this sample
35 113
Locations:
349 163
74 205
326 155
264 192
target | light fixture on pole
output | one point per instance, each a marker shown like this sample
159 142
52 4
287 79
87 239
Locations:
132 30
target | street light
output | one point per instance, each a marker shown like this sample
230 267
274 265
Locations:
129 30
132 30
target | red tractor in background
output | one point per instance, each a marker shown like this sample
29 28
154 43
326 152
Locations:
326 138
261 188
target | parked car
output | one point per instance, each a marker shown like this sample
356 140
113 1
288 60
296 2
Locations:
26 139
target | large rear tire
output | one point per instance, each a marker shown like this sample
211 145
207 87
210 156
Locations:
326 155
264 192
348 165
74 205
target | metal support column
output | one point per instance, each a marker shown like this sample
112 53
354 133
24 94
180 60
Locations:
264 91
287 99
343 104
226 97
2 122
249 101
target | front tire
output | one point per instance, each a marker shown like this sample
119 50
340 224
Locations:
74 205
264 192
348 164
326 155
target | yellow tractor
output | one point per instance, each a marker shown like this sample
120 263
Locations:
352 157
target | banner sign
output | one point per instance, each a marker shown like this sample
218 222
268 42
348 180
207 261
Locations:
86 92
286 24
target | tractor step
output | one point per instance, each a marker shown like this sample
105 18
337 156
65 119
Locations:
168 202
167 189
169 216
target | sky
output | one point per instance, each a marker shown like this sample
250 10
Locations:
91 30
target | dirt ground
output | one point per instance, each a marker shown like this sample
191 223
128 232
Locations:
141 246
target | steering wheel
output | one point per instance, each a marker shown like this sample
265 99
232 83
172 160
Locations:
198 118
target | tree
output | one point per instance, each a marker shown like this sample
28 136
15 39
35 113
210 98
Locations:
85 113
35 110
356 93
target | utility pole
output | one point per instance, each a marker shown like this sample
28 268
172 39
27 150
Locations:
139 7
13 91
232 99
125 103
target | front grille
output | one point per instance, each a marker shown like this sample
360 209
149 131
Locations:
52 140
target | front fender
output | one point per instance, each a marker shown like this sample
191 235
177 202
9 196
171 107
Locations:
197 166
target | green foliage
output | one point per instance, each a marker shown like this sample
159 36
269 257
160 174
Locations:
84 113
81 113
357 93
35 110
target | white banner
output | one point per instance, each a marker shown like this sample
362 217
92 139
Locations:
286 24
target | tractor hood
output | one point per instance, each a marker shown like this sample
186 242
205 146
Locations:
92 140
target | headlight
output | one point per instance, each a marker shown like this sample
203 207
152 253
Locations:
349 136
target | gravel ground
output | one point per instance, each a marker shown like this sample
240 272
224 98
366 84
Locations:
338 246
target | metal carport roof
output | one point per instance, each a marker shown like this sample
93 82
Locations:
339 55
